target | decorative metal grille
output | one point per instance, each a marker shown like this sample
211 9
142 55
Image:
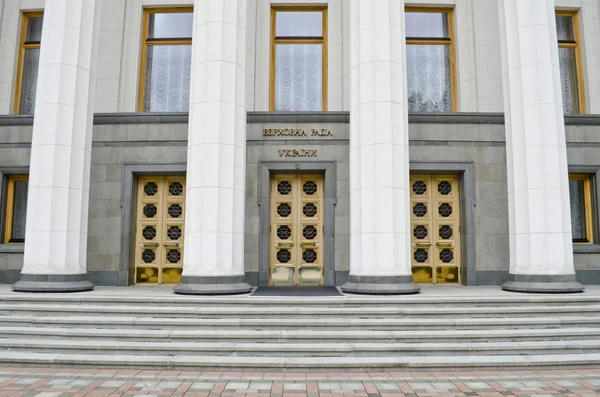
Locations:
420 210
420 232
150 210
309 210
148 256
173 256
284 256
309 232
150 189
445 210
284 210
446 255
444 188
175 210
309 188
284 232
149 233
446 232
309 256
174 232
420 255
176 188
284 188
419 188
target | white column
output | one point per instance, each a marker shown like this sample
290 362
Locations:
213 261
541 250
59 179
379 165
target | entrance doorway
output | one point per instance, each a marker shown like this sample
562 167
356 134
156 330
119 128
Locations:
159 230
296 230
435 229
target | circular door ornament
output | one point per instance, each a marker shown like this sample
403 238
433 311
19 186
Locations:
309 232
148 256
444 188
149 232
420 232
150 210
175 210
284 232
284 256
420 255
284 210
176 188
173 256
309 188
309 256
174 232
446 255
446 232
309 210
150 189
420 210
419 188
445 210
284 188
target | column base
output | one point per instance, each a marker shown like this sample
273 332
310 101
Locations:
381 285
53 283
226 285
552 284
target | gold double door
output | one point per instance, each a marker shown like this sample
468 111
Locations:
435 228
296 253
159 230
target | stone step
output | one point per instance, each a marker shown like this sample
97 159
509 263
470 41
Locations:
299 311
297 336
247 363
109 322
288 349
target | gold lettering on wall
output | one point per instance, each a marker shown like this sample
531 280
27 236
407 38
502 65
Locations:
297 132
298 152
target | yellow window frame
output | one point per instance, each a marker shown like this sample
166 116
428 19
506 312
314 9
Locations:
146 42
10 201
449 41
587 192
308 40
23 45
578 57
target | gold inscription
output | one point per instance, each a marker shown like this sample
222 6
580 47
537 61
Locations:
298 152
321 132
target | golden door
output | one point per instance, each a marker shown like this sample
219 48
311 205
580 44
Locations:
159 230
296 254
435 228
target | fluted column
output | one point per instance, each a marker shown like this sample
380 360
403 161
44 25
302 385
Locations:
379 165
541 250
59 179
213 261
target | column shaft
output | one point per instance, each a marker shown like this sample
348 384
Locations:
214 227
541 250
379 164
59 179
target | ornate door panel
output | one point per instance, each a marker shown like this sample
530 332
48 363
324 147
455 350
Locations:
297 255
435 228
159 230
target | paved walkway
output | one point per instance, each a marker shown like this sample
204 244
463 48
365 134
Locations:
55 382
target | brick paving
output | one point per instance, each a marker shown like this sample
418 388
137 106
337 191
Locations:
71 382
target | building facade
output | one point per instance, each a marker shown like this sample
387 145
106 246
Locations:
374 145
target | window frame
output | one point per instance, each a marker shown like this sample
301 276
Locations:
437 41
588 205
10 197
298 40
146 42
574 14
23 45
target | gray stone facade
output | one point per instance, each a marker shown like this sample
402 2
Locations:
472 145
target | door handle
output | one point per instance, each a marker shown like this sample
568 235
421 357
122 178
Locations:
150 244
171 244
308 245
423 244
285 245
444 244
